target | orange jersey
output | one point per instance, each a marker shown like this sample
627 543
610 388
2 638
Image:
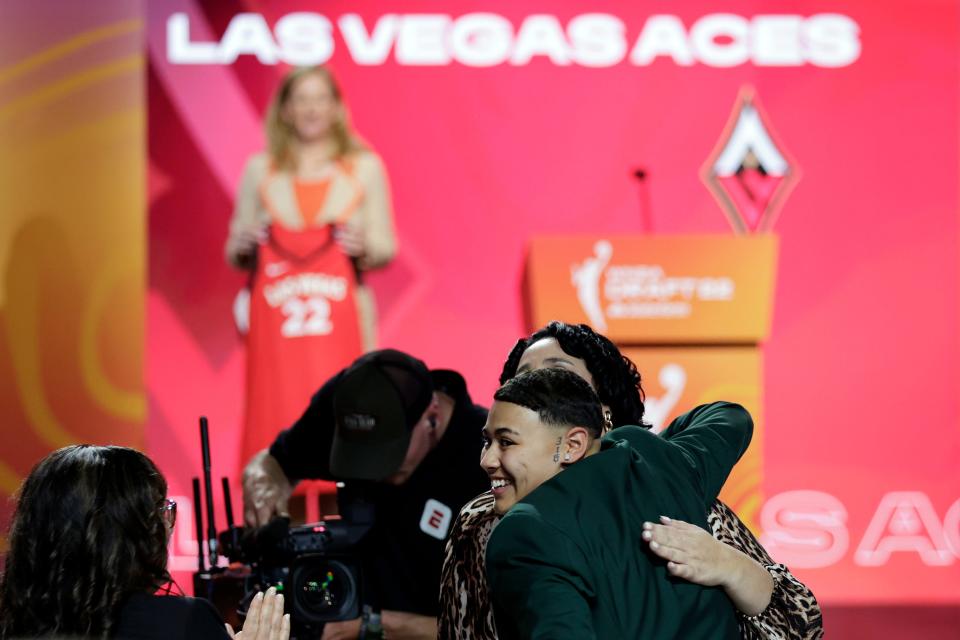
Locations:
304 328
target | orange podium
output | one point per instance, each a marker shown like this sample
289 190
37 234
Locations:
690 311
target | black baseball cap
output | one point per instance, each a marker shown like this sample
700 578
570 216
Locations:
380 399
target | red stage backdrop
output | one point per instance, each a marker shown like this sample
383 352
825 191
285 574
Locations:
832 125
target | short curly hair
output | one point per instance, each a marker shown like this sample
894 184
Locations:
560 398
615 376
87 532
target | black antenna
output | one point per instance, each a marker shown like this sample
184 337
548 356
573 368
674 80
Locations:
226 498
208 490
646 224
198 522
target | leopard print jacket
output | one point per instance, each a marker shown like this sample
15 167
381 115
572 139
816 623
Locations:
466 614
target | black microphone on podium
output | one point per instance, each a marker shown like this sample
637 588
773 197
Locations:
643 191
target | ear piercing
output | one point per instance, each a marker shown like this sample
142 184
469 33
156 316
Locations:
566 457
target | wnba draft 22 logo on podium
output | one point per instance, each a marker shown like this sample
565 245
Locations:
640 291
749 173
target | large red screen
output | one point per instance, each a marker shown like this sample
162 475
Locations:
501 122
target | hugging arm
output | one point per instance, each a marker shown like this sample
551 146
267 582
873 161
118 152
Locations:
712 438
773 602
695 555
792 611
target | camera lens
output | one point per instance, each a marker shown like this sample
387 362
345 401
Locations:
322 592
323 589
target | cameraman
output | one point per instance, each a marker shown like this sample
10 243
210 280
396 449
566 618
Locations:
407 439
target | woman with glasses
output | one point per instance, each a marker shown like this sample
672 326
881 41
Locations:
88 556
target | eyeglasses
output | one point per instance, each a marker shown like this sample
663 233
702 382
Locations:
169 512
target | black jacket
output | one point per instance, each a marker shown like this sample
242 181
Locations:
403 553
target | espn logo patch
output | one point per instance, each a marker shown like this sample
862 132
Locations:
436 518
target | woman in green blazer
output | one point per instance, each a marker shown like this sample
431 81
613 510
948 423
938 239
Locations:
771 602
565 562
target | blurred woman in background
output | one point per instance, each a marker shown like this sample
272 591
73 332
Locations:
312 215
316 172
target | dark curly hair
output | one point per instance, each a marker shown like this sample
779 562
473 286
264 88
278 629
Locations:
87 532
615 376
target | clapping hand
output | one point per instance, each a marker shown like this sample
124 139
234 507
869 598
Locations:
265 619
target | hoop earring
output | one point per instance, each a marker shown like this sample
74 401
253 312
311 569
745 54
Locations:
608 419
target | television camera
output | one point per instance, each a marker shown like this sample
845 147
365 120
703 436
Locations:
316 566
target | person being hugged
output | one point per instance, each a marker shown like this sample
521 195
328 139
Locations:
564 561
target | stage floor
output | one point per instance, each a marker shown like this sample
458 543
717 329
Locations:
882 622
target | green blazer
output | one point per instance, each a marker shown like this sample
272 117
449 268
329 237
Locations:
567 561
